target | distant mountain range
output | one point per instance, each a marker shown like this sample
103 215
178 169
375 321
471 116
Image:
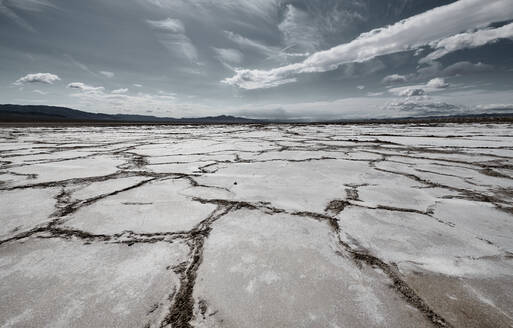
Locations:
35 113
51 114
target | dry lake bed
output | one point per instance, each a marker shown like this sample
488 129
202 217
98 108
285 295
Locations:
257 226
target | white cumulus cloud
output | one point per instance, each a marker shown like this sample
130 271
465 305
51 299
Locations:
119 91
433 85
394 78
46 78
437 83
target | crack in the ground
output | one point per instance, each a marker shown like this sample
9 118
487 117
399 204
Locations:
64 207
182 307
466 193
181 310
338 206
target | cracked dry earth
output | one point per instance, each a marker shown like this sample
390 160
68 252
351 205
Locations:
257 226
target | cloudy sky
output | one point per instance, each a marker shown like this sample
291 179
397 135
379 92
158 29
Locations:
303 59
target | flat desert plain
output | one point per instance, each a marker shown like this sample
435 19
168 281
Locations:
257 226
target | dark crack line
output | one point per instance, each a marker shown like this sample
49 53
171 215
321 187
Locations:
399 284
182 301
358 256
112 176
64 208
181 310
469 194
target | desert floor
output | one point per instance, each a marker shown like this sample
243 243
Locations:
257 226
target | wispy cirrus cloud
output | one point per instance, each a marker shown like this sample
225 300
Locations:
299 31
247 43
263 9
270 52
424 29
43 93
172 35
10 10
229 57
168 24
108 74
29 5
85 87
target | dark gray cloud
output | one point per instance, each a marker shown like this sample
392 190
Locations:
465 67
293 58
423 107
495 108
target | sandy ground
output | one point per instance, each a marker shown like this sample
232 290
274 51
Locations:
257 226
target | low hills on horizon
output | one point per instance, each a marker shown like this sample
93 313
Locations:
42 113
10 113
